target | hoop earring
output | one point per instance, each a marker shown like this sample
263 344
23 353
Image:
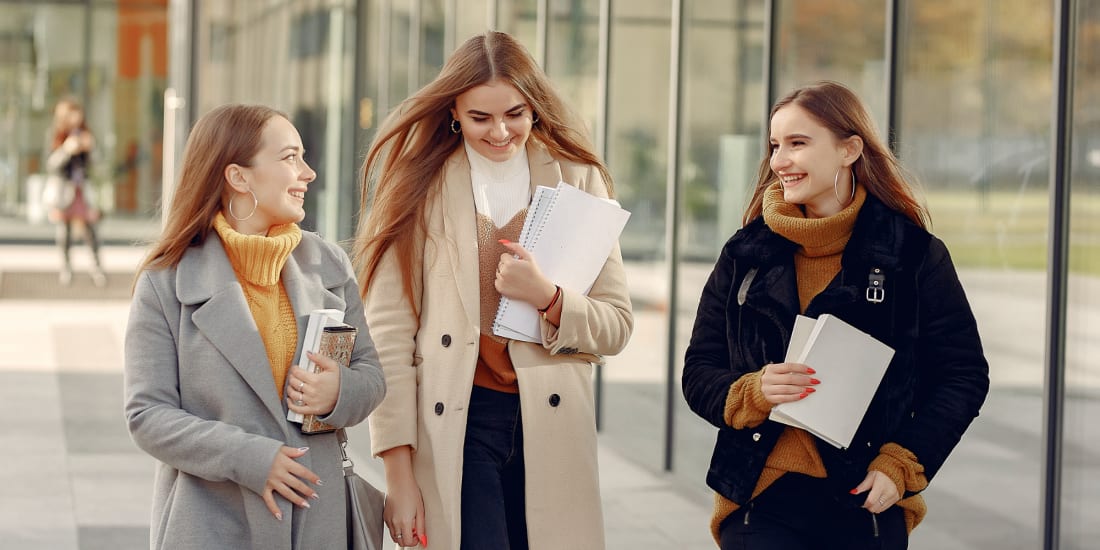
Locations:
456 128
255 205
836 187
535 120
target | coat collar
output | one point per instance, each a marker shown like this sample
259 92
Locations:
460 217
205 279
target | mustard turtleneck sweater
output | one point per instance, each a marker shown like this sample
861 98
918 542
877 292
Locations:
817 261
257 260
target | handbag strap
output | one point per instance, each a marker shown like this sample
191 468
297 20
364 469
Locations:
342 437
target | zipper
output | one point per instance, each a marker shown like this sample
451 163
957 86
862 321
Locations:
874 525
747 510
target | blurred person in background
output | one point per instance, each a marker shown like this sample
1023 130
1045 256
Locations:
69 196
833 227
219 311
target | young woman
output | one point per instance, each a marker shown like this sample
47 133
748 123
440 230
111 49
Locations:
70 201
218 314
487 442
832 227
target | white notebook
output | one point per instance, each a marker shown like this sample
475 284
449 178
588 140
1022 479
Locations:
571 234
318 320
850 364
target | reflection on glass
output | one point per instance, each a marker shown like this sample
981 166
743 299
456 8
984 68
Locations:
975 122
1081 458
637 156
722 146
841 41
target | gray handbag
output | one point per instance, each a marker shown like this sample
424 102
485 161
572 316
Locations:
365 505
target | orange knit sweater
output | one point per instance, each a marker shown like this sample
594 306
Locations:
817 262
257 260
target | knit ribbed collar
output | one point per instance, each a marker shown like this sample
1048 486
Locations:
817 236
258 259
497 171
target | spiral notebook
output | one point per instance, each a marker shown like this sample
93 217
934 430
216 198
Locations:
570 233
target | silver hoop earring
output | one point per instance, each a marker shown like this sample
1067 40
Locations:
255 205
836 186
456 128
535 120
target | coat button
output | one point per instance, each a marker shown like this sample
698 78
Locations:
554 399
438 409
756 436
446 340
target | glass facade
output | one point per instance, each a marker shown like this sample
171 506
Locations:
112 56
676 94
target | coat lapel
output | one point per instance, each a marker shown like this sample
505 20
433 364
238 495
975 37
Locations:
206 281
460 229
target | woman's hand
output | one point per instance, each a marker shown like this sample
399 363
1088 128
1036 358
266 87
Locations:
521 279
787 382
313 392
881 492
404 511
290 480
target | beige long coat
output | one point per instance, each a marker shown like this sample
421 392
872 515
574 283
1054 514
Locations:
429 367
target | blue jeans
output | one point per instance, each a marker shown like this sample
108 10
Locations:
799 512
493 514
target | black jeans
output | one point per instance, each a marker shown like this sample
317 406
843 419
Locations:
493 514
805 513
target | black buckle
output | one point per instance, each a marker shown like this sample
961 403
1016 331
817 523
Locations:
876 290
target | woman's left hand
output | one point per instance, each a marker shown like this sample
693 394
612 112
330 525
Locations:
313 392
520 278
881 492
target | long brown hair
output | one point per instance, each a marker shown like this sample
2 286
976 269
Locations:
840 110
60 130
230 134
407 156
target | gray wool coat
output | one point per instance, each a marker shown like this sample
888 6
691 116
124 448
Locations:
201 399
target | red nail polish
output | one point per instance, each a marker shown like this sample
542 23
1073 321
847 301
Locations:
853 491
424 540
504 241
803 395
815 381
810 390
810 370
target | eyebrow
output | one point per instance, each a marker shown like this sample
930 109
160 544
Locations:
483 113
295 148
793 136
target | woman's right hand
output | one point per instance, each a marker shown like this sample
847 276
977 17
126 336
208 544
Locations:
289 479
404 512
787 382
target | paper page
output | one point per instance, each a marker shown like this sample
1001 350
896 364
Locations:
571 245
850 365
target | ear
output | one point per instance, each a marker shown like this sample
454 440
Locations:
454 113
234 176
853 148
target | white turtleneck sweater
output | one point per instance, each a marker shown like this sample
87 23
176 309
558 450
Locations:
500 188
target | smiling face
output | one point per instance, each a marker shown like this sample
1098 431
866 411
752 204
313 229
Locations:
278 175
496 119
806 157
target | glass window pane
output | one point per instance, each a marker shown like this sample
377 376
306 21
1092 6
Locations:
841 41
974 128
722 144
1081 454
309 77
572 59
633 404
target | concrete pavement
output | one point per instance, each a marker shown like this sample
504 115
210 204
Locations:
74 480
